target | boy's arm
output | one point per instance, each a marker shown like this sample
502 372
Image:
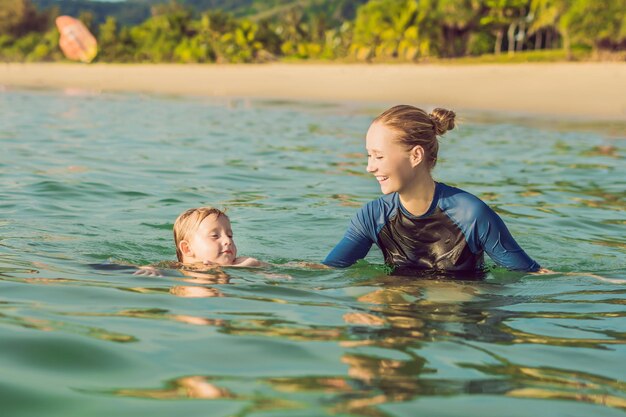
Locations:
153 269
148 271
243 261
249 262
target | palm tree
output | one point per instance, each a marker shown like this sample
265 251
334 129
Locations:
458 18
544 20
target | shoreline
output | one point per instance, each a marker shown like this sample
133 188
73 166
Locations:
579 90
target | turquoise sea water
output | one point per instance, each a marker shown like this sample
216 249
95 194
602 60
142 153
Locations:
89 182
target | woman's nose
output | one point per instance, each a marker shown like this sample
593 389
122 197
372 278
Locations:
370 167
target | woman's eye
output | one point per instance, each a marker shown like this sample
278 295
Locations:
214 236
379 157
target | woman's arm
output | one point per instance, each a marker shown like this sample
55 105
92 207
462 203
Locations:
500 245
359 237
347 252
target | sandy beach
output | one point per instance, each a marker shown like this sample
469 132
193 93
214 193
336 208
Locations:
585 90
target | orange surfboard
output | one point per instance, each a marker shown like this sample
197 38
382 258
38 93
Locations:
76 42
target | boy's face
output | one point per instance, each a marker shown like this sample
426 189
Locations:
212 242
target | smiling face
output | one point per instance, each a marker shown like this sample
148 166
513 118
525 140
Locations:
388 160
211 242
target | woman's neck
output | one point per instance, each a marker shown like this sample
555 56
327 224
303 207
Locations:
418 197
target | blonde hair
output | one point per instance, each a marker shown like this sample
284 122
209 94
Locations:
188 222
414 127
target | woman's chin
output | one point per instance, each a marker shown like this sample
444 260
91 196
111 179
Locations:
386 189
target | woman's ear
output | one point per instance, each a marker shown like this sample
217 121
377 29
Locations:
416 155
185 249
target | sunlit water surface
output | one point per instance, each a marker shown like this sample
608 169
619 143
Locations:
89 182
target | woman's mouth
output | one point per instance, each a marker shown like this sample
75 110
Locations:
381 179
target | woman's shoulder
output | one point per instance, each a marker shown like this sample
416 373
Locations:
384 204
461 201
374 214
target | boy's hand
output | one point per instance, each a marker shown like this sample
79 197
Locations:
247 261
148 271
312 265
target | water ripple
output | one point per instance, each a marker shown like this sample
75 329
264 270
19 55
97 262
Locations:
85 200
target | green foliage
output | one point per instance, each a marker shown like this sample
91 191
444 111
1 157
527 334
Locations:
545 13
387 29
463 13
363 30
192 50
26 44
240 45
156 39
19 17
108 40
18 48
457 19
597 23
46 49
480 43
6 41
115 44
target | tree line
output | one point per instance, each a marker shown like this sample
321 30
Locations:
380 30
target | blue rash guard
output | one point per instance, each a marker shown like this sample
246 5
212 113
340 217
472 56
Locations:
451 236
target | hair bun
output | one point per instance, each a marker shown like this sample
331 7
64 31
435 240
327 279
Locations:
443 120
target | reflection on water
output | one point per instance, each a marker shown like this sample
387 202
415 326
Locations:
186 387
84 198
402 341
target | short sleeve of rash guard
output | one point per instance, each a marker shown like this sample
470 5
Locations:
357 241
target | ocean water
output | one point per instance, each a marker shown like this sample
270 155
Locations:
91 183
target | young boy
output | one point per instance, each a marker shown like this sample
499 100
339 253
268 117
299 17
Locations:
203 238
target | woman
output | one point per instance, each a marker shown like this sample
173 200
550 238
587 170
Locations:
420 224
